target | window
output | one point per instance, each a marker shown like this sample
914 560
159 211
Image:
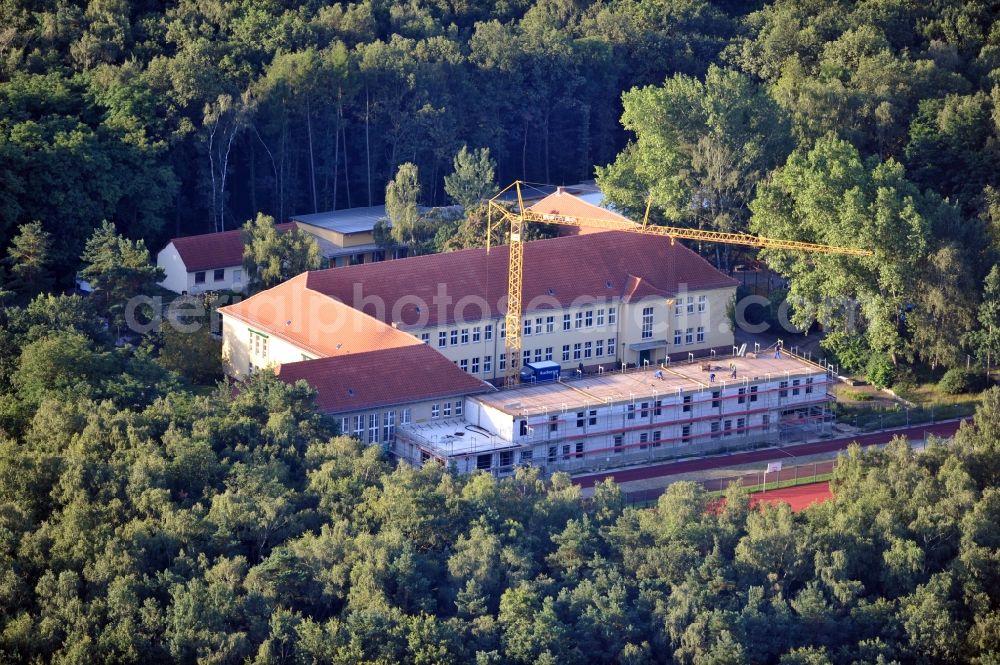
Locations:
219 274
237 276
538 326
612 316
611 346
425 338
795 391
702 303
809 387
658 407
502 363
578 320
701 334
435 410
677 338
389 426
716 402
464 364
526 356
553 423
588 319
443 338
345 424
593 417
689 336
548 353
506 458
503 329
359 428
465 335
656 438
753 393
454 338
373 424
643 440
199 277
579 449
538 355
647 322
484 462
588 349
476 334
258 345
644 410
488 332
686 432
687 404
679 307
553 451
580 418
576 351
740 424
565 451
619 440
550 324
458 408
765 420
566 322
715 430
487 364
599 348
783 389
630 411
565 354
404 417
526 327
690 305
742 399
475 365
526 456
727 428
600 317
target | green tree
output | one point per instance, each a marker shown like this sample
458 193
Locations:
473 178
401 207
119 269
271 256
700 149
29 256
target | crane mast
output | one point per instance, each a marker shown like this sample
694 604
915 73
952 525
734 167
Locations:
499 214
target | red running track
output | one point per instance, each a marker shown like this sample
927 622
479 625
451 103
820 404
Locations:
944 429
799 497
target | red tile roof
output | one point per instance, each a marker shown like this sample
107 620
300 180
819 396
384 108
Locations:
561 202
472 284
214 250
315 322
376 379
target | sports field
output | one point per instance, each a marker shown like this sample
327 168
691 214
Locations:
798 497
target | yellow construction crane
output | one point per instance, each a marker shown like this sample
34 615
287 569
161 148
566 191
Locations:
515 273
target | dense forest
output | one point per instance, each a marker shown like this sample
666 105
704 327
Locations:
144 519
150 513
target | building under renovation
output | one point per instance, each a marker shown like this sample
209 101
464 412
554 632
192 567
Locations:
620 418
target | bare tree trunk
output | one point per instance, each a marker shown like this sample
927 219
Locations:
524 152
253 177
312 159
368 151
274 169
211 169
222 176
347 175
336 151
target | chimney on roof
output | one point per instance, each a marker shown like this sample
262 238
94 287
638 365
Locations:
560 190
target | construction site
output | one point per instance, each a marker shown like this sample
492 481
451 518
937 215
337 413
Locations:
611 349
